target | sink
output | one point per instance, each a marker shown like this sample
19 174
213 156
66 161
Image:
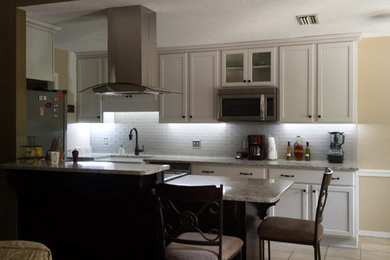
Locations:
126 158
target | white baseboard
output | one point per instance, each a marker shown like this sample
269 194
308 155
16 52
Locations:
368 233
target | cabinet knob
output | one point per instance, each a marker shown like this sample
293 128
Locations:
314 191
319 116
183 116
190 116
309 116
244 81
304 190
249 81
98 117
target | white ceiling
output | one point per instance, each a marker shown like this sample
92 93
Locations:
193 22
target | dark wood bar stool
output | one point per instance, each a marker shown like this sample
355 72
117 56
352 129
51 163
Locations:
297 231
192 223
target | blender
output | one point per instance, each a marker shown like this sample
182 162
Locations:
336 153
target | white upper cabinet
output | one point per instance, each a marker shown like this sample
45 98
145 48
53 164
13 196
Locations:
91 70
297 83
204 71
174 76
40 50
249 67
196 76
337 82
317 83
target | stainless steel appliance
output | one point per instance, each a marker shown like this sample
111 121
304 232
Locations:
336 153
46 118
247 104
256 147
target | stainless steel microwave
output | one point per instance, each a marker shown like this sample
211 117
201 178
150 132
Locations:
247 104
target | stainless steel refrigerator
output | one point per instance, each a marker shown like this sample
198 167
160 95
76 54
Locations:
46 119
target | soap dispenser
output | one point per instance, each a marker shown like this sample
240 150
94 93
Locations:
121 150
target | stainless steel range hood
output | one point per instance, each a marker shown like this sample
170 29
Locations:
132 53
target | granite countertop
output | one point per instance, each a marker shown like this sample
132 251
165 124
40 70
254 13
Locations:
87 167
240 189
281 163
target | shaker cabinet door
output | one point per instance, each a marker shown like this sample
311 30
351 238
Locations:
173 76
204 71
336 82
294 203
90 71
297 90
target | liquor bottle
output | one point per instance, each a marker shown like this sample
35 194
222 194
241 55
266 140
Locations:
298 149
307 152
288 152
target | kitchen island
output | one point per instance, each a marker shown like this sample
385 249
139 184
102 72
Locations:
106 210
88 210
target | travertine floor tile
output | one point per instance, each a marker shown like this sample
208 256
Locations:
343 253
301 256
376 247
374 240
287 247
278 255
372 255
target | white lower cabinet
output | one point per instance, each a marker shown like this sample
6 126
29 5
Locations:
229 170
300 201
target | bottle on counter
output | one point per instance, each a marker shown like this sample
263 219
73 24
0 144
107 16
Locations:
288 152
298 149
121 150
307 152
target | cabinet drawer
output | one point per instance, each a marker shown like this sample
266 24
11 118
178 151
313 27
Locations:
229 170
312 176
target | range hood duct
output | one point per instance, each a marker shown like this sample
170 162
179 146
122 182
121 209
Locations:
132 53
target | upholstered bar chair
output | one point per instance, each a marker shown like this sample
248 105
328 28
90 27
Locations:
297 231
192 223
23 250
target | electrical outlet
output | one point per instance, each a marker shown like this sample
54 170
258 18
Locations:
196 143
105 141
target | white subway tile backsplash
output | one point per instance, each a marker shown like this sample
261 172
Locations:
219 139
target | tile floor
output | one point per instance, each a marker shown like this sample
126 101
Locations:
369 249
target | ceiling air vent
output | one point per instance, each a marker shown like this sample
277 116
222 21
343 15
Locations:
307 19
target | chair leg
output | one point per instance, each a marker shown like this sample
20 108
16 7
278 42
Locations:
269 250
317 252
261 249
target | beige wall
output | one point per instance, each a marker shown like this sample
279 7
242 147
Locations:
374 132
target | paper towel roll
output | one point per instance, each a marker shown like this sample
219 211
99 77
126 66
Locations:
271 149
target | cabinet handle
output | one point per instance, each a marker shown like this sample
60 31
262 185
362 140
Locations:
309 116
336 178
246 173
287 175
319 116
207 171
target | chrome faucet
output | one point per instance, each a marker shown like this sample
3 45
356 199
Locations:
136 150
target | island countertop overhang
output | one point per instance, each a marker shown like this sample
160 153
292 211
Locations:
135 169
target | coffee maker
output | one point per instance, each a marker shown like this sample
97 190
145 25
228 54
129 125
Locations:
256 147
336 153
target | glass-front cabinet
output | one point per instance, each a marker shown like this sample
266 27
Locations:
253 67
